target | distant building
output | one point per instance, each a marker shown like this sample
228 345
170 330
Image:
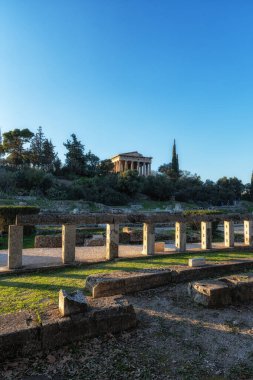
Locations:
132 161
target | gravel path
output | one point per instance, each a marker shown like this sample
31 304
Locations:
46 256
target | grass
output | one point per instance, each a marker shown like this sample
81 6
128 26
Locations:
28 241
37 291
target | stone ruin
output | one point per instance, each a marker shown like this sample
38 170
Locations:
230 290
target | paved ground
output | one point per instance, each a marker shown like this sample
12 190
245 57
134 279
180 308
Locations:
51 256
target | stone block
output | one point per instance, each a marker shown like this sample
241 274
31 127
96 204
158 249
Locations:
72 303
242 287
103 285
159 246
197 262
210 293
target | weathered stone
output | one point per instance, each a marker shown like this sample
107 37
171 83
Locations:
229 234
242 287
68 243
72 303
248 232
112 241
180 237
15 246
126 282
197 262
159 246
210 293
99 218
206 235
23 335
148 239
55 241
95 242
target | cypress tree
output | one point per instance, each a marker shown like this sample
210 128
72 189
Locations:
175 162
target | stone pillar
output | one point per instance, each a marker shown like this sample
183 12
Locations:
126 166
132 165
112 241
145 169
68 243
138 167
148 239
229 234
206 235
248 232
180 237
15 246
121 166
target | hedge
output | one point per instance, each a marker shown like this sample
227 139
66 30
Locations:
8 215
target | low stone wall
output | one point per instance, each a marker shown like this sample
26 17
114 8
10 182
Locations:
22 334
55 241
126 282
103 285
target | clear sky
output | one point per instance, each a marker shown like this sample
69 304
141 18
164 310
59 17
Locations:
130 75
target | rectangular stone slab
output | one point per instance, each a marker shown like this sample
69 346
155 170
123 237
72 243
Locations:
126 282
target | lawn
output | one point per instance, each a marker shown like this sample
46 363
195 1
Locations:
37 291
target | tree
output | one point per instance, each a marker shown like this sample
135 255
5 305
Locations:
14 145
105 167
92 164
48 156
174 162
37 149
171 170
75 157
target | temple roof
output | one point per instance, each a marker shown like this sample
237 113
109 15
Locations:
131 154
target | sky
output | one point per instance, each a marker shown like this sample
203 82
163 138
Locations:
128 75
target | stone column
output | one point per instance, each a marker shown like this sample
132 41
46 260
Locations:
132 165
149 169
180 237
148 239
138 167
229 234
15 246
248 232
206 235
68 243
126 166
112 241
120 166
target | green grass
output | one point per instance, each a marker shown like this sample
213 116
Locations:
37 291
28 242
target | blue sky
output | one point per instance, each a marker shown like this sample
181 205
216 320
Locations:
133 75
